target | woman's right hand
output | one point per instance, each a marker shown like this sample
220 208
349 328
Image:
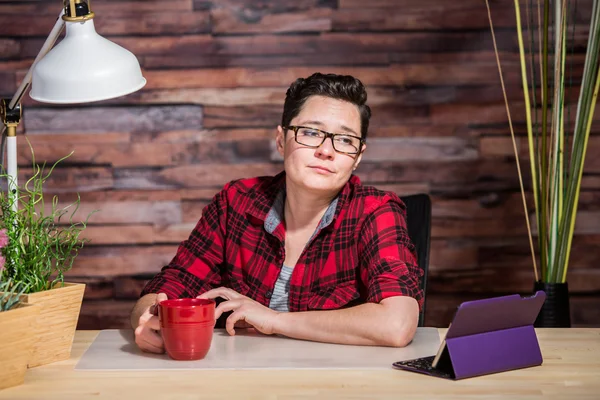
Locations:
147 333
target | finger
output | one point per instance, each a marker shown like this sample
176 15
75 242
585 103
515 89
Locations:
160 297
154 308
153 323
149 340
147 318
233 318
228 306
145 345
150 335
226 293
149 348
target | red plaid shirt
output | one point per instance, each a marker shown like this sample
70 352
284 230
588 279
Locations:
363 255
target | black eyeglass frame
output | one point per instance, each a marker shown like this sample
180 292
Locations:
296 128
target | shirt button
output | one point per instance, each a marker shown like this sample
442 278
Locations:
268 294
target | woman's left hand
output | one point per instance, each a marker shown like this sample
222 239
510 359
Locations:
244 310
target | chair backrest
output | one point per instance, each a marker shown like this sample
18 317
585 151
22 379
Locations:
418 220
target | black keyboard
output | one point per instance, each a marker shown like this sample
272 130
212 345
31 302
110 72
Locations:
423 365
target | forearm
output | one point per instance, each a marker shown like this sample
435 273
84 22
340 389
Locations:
366 324
140 307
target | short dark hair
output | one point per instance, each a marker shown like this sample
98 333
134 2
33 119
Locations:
340 87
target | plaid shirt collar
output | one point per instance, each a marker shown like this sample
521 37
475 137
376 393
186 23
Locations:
269 202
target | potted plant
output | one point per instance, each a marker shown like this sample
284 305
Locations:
43 240
16 336
558 131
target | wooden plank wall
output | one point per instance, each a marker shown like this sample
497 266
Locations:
217 73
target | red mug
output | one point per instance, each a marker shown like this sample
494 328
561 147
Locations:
186 326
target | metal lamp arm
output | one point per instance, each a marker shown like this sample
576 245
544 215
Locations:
11 113
46 47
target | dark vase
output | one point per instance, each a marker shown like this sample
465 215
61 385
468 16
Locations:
555 312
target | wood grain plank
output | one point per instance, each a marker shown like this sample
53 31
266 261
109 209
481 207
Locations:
105 314
9 48
411 95
206 96
407 5
274 7
456 174
8 86
475 113
148 154
125 196
41 138
422 130
244 116
494 146
72 179
14 65
174 233
404 189
585 310
287 60
150 201
190 176
119 235
216 174
445 227
129 287
220 135
590 182
199 193
154 23
408 149
96 287
444 16
507 58
462 253
229 21
484 206
587 222
100 8
508 280
113 119
411 6
134 212
107 261
192 210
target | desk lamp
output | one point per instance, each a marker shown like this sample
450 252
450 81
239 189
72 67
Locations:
84 67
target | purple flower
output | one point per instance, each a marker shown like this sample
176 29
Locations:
3 238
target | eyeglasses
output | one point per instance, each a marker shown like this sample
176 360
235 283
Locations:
313 137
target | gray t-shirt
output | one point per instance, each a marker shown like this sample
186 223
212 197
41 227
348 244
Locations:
279 299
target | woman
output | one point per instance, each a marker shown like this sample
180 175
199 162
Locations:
312 240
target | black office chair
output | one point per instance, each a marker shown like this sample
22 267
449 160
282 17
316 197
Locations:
418 220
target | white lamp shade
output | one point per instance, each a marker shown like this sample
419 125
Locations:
85 67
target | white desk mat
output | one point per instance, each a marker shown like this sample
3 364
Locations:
116 350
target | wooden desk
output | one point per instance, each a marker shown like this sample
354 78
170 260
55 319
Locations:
571 370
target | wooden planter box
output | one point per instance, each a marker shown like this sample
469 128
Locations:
56 323
16 343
